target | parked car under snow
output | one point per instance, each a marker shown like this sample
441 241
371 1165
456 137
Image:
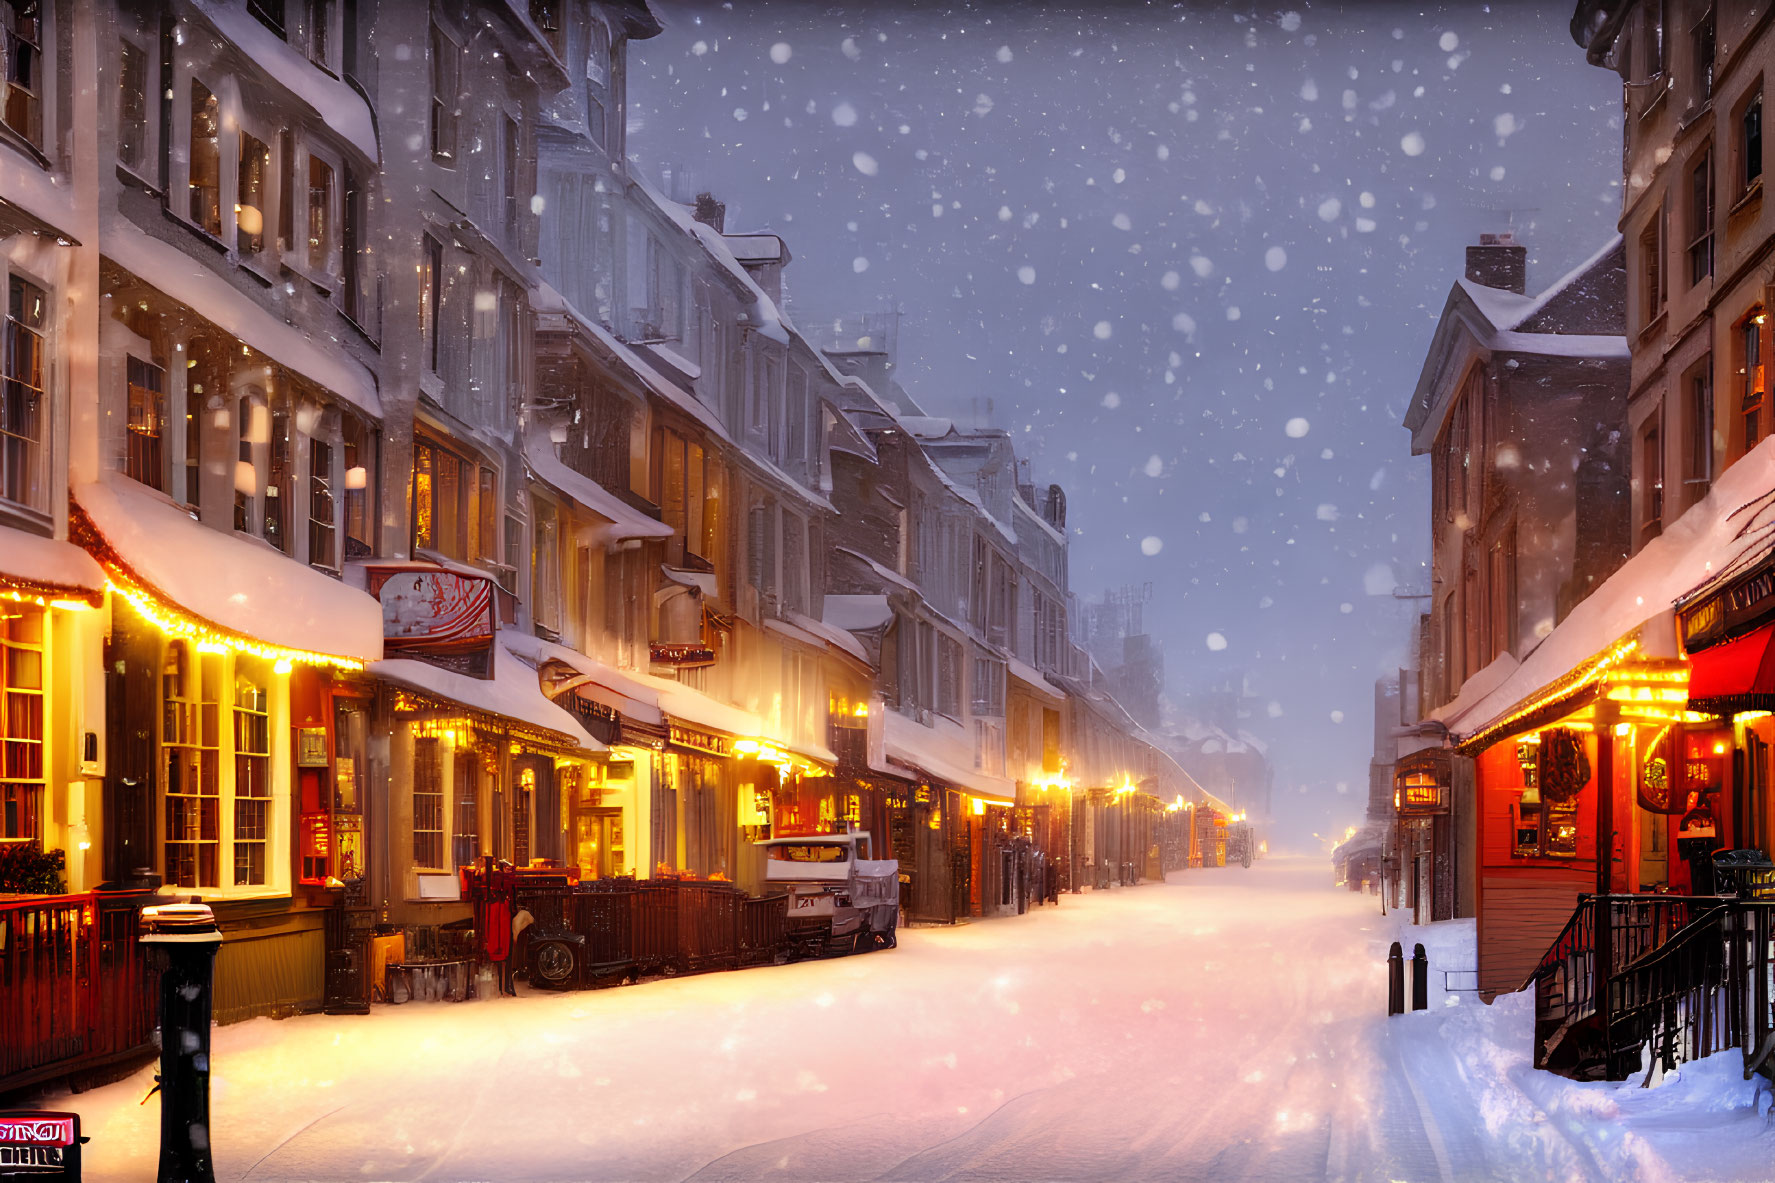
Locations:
840 899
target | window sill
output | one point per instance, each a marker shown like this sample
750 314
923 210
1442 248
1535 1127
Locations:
196 231
1655 325
26 519
13 139
137 181
1753 196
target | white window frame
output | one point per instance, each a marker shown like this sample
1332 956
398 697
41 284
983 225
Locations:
277 836
52 414
264 263
328 270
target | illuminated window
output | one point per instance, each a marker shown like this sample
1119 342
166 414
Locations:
190 743
21 24
321 528
205 179
144 459
254 193
428 803
21 722
1753 374
252 772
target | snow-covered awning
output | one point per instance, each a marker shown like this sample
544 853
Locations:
1034 679
625 520
942 752
188 280
650 699
43 568
1635 603
169 565
512 693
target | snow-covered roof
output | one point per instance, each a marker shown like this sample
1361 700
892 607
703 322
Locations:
893 578
756 248
625 520
240 584
338 105
857 613
927 427
831 634
1507 310
188 280
1736 517
513 691
944 751
45 567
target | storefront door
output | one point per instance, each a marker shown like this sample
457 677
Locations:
1654 849
598 842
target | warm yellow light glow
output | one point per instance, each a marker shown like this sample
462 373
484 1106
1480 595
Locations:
1623 729
979 806
1750 716
745 747
174 623
18 597
1719 749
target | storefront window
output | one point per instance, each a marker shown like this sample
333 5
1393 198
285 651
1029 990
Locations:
465 812
190 743
428 803
252 772
21 724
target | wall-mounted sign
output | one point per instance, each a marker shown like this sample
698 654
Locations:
442 617
1732 610
311 747
700 741
681 656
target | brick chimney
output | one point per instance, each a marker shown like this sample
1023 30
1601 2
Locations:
1499 261
713 214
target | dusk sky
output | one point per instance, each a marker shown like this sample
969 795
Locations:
1191 257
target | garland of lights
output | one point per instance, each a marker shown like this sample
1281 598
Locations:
159 610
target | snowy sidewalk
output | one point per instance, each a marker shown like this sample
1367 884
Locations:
1229 1025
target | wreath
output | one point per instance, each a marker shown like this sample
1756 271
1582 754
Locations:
1565 768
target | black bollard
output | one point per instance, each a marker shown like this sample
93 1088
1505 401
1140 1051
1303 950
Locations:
1396 980
182 940
1420 979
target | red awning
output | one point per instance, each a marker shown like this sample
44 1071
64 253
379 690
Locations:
1742 666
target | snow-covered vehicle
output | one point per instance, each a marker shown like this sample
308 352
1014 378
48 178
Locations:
840 899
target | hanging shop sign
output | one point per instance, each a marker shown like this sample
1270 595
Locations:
681 656
700 741
437 616
1731 610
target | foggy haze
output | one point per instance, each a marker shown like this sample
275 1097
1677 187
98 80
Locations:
1191 258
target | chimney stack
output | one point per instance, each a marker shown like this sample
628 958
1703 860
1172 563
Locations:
713 214
1499 262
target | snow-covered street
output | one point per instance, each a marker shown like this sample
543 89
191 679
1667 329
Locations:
1229 1025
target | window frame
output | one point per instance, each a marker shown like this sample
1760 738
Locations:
41 130
445 63
42 447
22 795
145 168
1701 200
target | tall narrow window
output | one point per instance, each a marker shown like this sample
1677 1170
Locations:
1701 218
1750 143
21 721
321 530
280 480
144 459
1651 252
351 216
428 803
24 417
320 33
205 181
431 276
360 508
320 214
1701 37
545 572
21 25
132 106
252 427
1755 376
598 83
254 190
445 89
1652 466
252 772
198 381
510 144
488 515
190 742
424 491
1699 431
465 843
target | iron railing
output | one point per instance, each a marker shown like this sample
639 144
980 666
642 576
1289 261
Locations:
75 990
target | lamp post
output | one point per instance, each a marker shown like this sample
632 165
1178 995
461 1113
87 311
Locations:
182 940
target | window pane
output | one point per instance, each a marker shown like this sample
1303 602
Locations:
143 460
23 414
206 160
21 30
249 208
320 213
132 106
